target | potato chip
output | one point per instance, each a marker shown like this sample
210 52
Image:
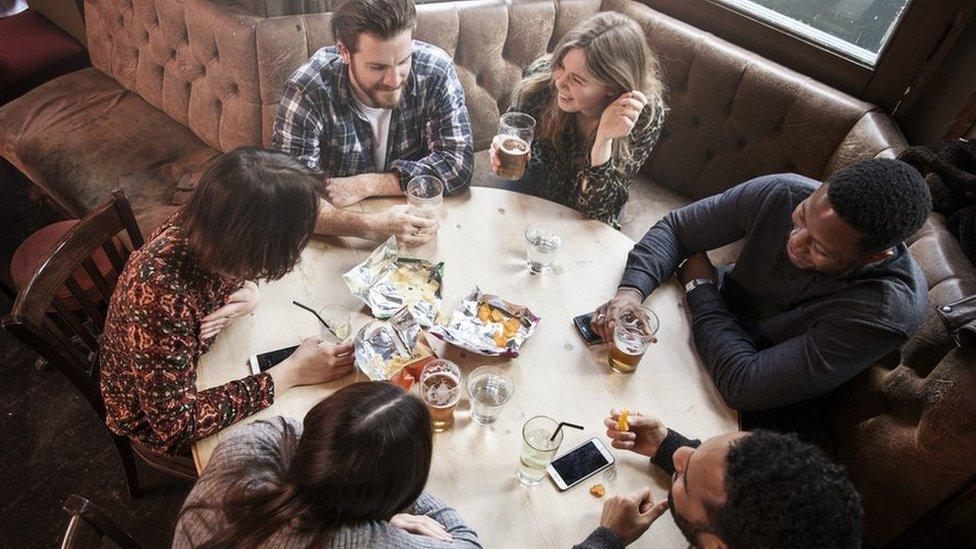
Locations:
622 424
598 491
496 315
500 339
483 312
512 325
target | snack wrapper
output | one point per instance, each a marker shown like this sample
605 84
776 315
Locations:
394 350
488 325
386 283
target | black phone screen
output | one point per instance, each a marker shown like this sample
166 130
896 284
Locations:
580 463
583 326
271 358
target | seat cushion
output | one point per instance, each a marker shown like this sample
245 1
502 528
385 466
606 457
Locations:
82 135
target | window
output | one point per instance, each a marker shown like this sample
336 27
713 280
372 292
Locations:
857 29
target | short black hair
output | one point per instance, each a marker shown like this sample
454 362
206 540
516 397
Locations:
781 492
885 200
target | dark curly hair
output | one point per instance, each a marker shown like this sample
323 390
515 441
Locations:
782 492
885 200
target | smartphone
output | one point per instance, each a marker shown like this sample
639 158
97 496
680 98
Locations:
585 329
580 463
264 361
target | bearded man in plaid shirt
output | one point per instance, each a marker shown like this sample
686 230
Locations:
372 112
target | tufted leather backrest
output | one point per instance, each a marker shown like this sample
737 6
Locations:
194 60
219 70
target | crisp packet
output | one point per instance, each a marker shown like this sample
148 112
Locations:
386 283
395 350
487 325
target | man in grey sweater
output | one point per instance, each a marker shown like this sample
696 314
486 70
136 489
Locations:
823 288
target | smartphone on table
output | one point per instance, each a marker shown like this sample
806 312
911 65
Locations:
585 329
264 361
580 463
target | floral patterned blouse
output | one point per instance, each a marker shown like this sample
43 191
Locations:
151 345
564 174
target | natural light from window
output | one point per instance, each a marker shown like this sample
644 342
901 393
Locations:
858 29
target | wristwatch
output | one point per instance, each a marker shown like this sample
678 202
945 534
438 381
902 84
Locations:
692 284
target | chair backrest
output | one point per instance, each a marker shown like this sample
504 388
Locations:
66 332
89 527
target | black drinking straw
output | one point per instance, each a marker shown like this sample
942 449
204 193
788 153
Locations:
560 426
324 323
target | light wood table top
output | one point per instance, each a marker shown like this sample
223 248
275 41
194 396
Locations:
481 242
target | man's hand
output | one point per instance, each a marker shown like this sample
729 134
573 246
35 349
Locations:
643 436
629 516
697 266
314 361
344 191
602 322
421 525
238 304
410 230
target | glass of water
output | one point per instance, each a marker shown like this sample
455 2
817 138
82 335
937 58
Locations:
489 388
542 245
537 450
337 329
425 195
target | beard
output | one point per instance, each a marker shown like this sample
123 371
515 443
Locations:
689 529
383 97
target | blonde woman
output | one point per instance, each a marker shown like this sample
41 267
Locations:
597 103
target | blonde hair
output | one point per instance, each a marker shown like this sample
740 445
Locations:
617 54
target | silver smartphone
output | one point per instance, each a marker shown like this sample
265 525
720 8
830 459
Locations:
580 463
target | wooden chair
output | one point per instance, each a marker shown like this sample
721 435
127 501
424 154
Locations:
67 332
89 527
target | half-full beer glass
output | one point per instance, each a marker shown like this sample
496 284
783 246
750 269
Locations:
515 131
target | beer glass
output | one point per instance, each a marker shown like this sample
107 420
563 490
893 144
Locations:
489 389
440 389
515 131
537 450
425 196
633 331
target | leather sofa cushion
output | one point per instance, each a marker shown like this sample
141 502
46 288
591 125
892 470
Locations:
81 135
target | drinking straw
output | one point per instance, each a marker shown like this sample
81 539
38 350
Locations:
560 426
324 323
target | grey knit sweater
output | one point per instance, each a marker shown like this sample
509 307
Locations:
247 454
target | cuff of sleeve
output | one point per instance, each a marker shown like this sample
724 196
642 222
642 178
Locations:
664 457
603 537
263 386
637 281
405 171
703 295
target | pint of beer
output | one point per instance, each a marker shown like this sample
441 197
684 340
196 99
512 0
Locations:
440 389
633 332
515 131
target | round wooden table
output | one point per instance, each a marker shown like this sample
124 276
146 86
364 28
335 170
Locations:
481 242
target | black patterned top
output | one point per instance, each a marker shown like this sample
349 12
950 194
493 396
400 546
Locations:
564 174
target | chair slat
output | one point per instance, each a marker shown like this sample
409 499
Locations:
68 349
76 325
113 255
96 277
86 304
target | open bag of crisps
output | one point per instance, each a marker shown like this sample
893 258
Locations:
394 350
386 283
488 325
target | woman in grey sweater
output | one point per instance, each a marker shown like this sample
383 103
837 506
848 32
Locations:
353 478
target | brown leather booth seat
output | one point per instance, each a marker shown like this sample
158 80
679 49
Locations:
176 81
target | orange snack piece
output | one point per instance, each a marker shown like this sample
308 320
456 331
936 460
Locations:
598 491
622 424
512 325
496 315
500 339
484 312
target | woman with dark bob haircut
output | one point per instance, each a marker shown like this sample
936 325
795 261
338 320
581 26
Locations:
250 218
352 476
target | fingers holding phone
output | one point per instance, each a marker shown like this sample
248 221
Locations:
314 361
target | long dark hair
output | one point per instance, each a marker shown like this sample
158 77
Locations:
364 455
252 214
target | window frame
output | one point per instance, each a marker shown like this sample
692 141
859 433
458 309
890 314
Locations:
925 28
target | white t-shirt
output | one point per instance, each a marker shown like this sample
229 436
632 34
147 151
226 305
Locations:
379 120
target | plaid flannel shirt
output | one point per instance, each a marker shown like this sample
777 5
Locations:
430 133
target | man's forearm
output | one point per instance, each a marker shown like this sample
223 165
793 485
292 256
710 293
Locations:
333 221
374 184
